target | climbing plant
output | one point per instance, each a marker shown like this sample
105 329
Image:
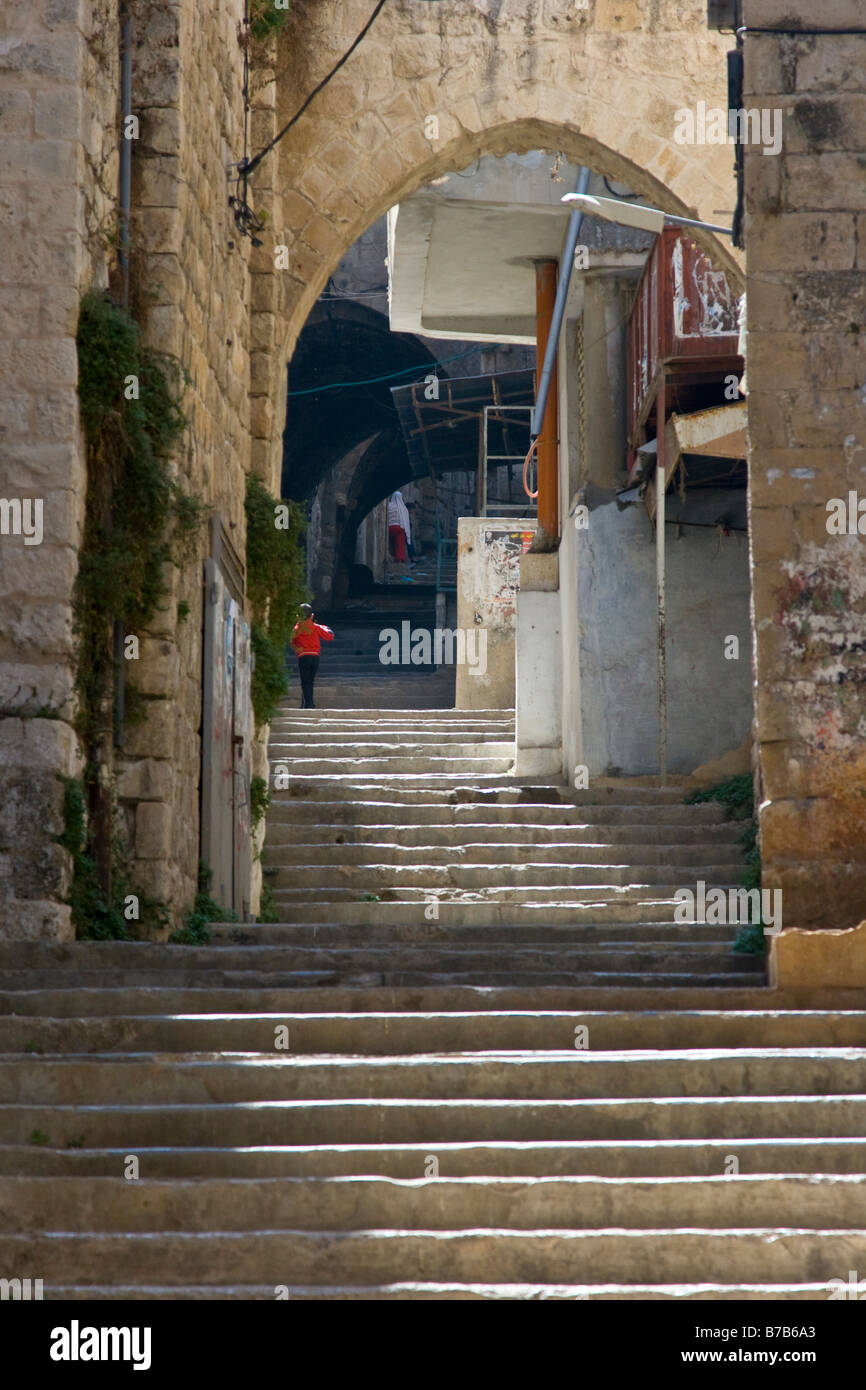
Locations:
737 795
267 18
275 587
137 521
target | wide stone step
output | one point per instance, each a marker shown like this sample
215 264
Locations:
31 999
634 1158
281 1204
389 1034
367 784
401 1120
426 736
412 769
383 1256
623 842
350 751
263 946
367 717
507 907
503 938
479 806
575 1075
386 749
685 957
708 858
526 874
431 1292
396 978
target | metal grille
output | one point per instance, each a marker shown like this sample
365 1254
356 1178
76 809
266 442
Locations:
581 402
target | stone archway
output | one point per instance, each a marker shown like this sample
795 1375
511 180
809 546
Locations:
507 76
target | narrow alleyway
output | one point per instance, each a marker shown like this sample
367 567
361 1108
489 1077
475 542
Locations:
479 1060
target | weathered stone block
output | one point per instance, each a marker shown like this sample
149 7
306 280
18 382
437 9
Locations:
790 15
150 779
153 823
810 960
800 241
39 744
35 920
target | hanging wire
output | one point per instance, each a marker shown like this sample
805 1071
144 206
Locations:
246 220
372 380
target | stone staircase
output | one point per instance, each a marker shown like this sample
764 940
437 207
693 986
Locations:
351 672
477 1060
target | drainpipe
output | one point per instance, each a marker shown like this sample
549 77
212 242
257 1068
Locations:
548 439
125 200
572 234
125 149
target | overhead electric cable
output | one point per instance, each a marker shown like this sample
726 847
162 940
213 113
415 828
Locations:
372 380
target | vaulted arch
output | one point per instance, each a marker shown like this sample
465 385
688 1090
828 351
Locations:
432 87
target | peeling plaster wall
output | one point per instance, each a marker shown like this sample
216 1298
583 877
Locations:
806 348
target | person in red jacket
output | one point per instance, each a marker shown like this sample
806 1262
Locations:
307 643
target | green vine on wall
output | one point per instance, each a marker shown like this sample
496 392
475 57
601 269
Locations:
266 19
137 521
275 587
737 795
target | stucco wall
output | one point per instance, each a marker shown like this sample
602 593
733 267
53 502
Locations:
487 583
708 697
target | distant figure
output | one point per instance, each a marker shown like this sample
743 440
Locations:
399 527
307 643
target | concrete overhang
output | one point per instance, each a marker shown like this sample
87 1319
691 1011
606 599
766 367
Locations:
462 252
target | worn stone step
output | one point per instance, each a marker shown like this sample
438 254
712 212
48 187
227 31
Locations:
388 1034
156 1079
481 805
420 784
396 978
427 736
624 841
710 860
413 770
624 1158
31 1000
335 880
358 1203
683 957
400 1120
296 753
363 716
444 1292
416 906
381 1256
263 946
620 934
352 887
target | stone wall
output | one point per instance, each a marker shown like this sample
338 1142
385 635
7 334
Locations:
806 263
193 288
191 291
58 176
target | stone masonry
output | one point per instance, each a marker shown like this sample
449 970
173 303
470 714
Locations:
806 221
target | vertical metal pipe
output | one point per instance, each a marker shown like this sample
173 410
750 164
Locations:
661 485
548 439
125 149
481 475
119 683
567 266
